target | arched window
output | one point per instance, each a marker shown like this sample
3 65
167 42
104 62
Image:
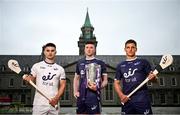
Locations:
2 67
109 92
161 81
173 81
11 82
67 95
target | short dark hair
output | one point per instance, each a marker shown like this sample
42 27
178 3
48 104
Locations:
131 41
89 42
47 45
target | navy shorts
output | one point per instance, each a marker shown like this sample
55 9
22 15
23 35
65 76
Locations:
137 108
88 107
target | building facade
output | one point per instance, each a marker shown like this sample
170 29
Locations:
164 93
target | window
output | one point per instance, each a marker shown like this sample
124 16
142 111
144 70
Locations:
26 69
162 98
149 83
0 83
11 82
161 81
152 98
23 83
10 96
2 68
109 92
171 68
175 98
67 95
173 81
23 98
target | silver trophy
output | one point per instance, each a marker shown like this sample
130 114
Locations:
92 72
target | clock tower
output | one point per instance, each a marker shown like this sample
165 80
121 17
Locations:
87 35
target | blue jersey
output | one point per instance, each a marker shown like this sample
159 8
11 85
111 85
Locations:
82 69
132 73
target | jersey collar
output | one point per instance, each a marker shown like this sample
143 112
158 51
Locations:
89 58
48 63
131 59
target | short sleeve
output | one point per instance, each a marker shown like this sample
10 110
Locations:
63 75
34 70
77 69
104 71
118 75
147 67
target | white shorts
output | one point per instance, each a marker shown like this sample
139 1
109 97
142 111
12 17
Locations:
44 110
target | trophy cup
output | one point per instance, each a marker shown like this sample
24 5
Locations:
92 72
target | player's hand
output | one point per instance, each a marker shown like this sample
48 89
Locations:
152 77
27 77
76 95
124 98
54 101
92 86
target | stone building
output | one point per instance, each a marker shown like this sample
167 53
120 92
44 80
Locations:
164 93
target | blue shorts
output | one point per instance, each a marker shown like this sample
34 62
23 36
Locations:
88 107
137 108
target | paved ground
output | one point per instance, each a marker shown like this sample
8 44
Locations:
116 110
105 111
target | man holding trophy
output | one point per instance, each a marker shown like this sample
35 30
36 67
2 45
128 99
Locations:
89 79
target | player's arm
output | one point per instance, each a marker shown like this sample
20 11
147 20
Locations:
119 92
62 85
104 81
76 85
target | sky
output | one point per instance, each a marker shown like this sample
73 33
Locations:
26 25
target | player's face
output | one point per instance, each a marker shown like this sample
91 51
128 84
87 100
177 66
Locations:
130 50
89 50
50 52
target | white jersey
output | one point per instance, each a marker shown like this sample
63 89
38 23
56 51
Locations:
48 77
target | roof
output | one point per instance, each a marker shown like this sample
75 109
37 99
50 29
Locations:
69 60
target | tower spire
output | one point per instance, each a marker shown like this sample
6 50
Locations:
87 22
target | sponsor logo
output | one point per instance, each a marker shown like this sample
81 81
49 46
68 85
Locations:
82 64
48 77
47 83
164 60
130 73
146 112
123 113
49 65
42 67
55 69
82 72
123 65
137 63
94 107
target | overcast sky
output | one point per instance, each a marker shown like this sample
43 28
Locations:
26 25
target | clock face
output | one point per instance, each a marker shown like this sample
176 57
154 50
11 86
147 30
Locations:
87 31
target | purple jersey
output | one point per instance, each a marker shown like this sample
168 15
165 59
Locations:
81 70
132 73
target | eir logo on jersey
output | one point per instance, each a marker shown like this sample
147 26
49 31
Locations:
48 77
130 72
